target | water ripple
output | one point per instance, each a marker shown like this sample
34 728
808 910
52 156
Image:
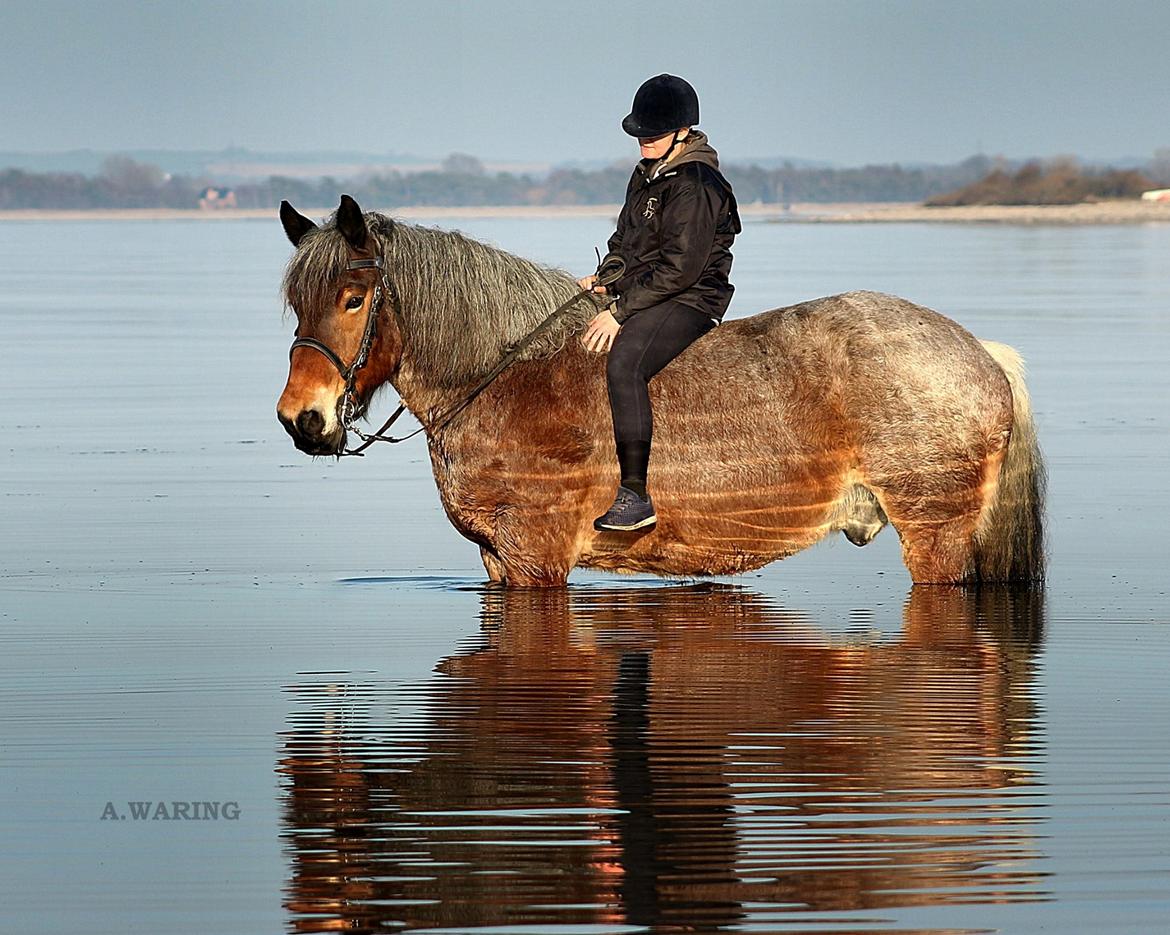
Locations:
698 758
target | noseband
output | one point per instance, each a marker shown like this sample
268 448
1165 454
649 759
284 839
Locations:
347 405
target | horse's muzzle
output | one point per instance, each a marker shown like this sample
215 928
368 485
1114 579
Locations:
307 430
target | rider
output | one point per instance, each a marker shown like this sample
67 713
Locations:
673 235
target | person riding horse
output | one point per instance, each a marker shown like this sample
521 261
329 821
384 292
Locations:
673 240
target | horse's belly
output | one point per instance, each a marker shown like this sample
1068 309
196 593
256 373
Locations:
733 522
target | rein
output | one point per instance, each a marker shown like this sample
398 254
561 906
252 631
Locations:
348 404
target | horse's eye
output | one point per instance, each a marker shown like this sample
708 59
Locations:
355 302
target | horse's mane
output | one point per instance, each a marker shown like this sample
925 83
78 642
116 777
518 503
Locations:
463 303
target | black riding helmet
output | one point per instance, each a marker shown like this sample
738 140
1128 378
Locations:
662 104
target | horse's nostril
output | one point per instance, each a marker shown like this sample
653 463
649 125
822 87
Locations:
310 423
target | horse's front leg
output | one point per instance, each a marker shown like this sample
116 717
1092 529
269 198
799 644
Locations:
534 549
519 544
492 565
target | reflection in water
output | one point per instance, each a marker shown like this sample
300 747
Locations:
677 759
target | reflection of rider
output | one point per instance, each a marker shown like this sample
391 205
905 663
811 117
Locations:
674 234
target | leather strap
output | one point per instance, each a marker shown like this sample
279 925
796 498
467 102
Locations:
321 349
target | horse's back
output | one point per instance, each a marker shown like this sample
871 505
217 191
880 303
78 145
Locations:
857 323
879 358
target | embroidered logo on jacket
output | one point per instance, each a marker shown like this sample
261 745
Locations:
651 205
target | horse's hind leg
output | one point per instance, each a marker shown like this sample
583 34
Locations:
938 552
937 525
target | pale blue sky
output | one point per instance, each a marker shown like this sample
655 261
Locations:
841 80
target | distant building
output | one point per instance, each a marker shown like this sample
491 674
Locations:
212 198
1158 194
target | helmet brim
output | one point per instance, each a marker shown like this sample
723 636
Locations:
634 128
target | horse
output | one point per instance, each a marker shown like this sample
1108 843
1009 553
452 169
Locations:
844 413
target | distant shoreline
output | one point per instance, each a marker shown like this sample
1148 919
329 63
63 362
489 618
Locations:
1109 212
1103 212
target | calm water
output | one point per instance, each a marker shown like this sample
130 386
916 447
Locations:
192 611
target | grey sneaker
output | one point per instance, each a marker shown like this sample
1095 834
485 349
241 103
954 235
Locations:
629 511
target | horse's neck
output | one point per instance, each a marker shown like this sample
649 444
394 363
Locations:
422 395
429 402
424 388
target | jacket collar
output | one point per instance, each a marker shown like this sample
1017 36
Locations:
695 148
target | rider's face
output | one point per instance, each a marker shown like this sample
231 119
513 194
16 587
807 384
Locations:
655 147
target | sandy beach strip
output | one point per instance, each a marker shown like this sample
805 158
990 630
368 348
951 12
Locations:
1104 212
1108 212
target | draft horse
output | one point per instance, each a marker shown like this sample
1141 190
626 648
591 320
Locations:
844 413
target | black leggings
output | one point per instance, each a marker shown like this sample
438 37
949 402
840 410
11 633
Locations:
649 340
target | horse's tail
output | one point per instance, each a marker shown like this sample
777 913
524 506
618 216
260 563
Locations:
1009 540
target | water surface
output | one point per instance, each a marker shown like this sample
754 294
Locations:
192 611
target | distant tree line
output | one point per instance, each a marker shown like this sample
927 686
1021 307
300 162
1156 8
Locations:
122 183
1061 182
462 181
789 183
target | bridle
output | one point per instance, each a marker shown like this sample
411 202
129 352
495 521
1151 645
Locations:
347 405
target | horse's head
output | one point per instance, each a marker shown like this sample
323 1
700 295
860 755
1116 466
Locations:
348 342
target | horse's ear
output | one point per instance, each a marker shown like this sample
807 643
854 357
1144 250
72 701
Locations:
295 225
351 223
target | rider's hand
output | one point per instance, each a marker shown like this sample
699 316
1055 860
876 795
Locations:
590 282
601 331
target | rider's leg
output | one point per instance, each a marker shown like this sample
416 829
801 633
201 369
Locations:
647 342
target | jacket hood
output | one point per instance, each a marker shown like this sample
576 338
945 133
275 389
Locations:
694 149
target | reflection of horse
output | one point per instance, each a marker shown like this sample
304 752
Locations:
679 756
770 431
